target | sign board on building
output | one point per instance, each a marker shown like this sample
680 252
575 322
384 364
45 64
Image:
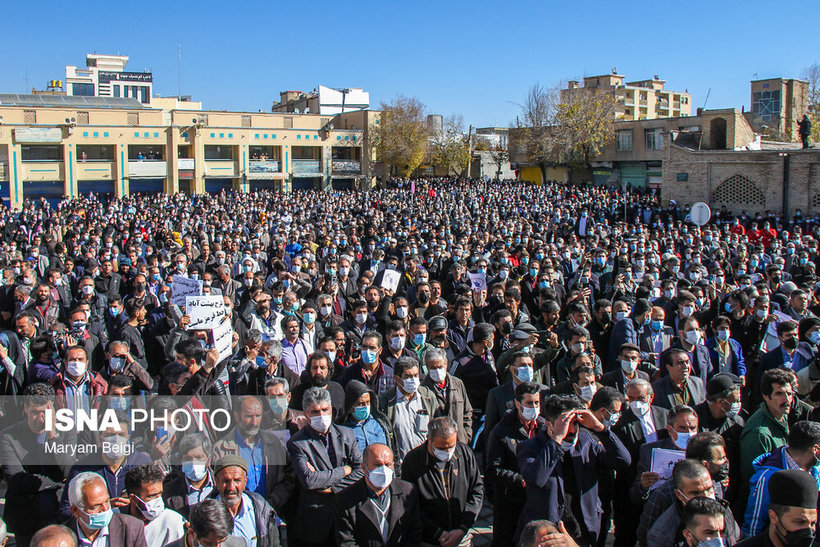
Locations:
700 213
683 177
106 77
26 135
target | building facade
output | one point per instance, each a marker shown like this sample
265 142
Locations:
777 105
326 101
105 76
119 146
639 100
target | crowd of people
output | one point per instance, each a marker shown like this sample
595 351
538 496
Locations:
578 362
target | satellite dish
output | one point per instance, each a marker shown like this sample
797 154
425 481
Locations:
307 110
700 213
296 111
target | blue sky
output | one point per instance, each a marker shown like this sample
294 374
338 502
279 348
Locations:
472 58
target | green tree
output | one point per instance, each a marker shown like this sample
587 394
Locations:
401 136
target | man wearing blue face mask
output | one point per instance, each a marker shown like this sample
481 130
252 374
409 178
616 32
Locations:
628 330
370 369
362 416
92 517
725 352
681 425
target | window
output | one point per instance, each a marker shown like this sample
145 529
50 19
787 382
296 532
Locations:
766 104
82 118
84 90
95 152
623 140
143 94
246 121
133 118
288 122
38 152
29 116
653 139
218 152
116 91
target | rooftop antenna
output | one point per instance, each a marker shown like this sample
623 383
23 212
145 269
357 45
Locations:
179 71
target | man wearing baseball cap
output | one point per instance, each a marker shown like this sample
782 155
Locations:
792 511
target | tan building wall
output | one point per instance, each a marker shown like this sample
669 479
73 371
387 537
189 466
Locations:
639 100
743 180
171 134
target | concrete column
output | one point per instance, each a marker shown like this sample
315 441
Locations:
198 147
15 176
121 169
70 169
172 160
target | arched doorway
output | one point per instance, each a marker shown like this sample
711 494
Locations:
718 131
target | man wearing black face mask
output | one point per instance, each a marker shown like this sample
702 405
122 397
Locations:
600 328
792 511
502 321
784 354
802 452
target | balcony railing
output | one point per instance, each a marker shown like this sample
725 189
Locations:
307 167
347 166
3 170
643 102
150 169
676 104
264 166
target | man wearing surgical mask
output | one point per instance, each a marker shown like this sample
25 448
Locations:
569 480
409 407
703 522
75 385
449 511
372 371
641 423
516 426
606 405
629 358
450 393
691 340
115 455
681 425
394 500
326 458
91 516
144 486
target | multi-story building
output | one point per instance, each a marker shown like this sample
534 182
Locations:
639 100
777 105
53 146
324 100
105 76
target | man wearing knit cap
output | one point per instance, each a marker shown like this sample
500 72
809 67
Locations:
792 511
626 331
253 518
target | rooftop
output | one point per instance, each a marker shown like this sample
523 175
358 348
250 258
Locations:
63 101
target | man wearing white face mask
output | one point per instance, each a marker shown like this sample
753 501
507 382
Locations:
450 393
559 466
640 423
448 482
144 486
691 340
326 458
502 398
409 408
388 503
629 358
75 385
516 426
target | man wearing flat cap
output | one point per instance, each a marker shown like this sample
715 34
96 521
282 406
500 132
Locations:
792 511
253 517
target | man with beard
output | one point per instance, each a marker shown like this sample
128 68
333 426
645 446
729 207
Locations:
269 472
317 374
254 520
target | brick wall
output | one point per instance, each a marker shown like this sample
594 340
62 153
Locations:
745 180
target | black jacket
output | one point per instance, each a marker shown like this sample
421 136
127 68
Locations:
35 479
442 510
357 523
267 532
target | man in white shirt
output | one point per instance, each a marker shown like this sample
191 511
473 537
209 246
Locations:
163 526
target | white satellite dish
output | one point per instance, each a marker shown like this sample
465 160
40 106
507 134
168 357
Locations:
700 213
